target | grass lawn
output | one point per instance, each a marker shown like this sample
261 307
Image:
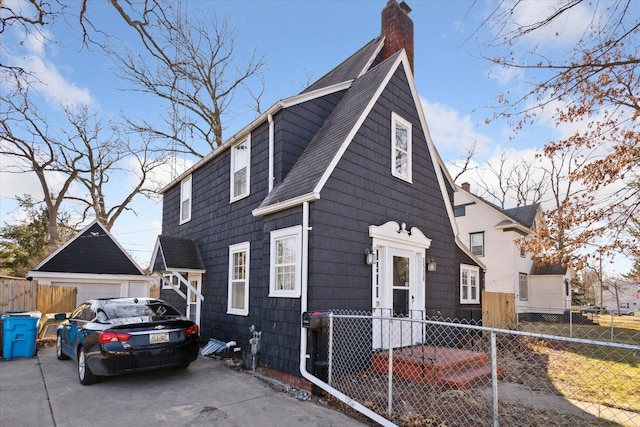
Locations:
594 373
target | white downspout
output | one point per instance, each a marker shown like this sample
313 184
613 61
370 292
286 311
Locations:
303 332
271 150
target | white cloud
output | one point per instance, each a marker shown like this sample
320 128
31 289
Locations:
564 31
452 133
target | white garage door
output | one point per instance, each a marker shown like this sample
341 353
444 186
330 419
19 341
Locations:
87 291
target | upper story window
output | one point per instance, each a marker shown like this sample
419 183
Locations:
469 284
459 210
240 162
238 295
185 200
477 243
400 148
286 263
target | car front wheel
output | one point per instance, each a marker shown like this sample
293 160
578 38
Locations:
85 375
59 354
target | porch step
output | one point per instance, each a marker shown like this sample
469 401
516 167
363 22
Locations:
453 368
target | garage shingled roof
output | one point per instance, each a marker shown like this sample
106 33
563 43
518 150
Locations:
92 251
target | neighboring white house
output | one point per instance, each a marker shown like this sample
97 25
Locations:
621 297
96 265
491 233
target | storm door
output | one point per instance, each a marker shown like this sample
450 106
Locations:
193 302
398 286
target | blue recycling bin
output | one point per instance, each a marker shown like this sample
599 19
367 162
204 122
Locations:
19 334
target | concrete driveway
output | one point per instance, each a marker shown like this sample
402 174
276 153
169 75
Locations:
44 391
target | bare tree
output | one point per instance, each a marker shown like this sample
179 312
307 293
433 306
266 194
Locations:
188 65
102 153
26 137
592 88
464 163
521 183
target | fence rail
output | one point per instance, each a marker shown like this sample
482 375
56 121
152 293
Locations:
460 374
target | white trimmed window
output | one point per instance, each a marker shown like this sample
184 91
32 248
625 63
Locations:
286 264
400 148
477 243
523 286
185 200
240 162
238 295
469 284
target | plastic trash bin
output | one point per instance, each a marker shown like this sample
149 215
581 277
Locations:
19 334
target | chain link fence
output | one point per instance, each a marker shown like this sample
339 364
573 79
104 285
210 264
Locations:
446 372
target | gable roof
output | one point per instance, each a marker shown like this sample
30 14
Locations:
94 251
351 68
315 164
521 217
525 215
176 254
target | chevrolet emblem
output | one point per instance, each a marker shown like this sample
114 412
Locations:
159 327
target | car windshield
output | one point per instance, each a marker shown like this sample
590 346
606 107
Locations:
124 310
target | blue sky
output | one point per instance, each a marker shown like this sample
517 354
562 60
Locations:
298 39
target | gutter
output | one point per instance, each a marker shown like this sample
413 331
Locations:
303 332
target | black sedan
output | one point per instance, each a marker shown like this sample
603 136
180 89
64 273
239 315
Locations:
120 335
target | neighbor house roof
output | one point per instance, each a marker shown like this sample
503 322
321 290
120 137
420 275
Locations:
542 269
521 217
94 251
176 254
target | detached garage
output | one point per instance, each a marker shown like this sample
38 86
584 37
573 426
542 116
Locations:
96 265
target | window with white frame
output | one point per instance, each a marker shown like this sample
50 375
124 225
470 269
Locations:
400 147
477 243
238 294
523 286
185 200
469 284
240 162
286 263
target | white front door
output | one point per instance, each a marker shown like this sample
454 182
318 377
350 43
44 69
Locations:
401 298
398 285
193 302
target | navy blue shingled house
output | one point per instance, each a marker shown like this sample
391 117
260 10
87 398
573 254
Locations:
280 219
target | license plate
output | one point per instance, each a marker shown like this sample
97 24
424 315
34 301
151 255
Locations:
161 337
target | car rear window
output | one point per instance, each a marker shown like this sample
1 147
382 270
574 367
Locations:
139 310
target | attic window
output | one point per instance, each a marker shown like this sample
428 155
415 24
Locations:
185 200
240 162
400 148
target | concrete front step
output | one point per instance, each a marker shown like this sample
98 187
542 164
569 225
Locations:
450 367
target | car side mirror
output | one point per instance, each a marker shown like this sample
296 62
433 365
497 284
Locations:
60 316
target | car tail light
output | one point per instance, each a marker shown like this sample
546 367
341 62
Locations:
192 330
110 336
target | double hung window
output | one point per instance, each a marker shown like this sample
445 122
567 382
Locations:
238 293
286 265
240 162
401 153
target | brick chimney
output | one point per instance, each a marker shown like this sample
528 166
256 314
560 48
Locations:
466 186
397 28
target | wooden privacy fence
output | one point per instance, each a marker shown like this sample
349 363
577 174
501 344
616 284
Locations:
18 295
56 299
498 310
27 295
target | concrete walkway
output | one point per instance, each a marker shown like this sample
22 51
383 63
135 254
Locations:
44 391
